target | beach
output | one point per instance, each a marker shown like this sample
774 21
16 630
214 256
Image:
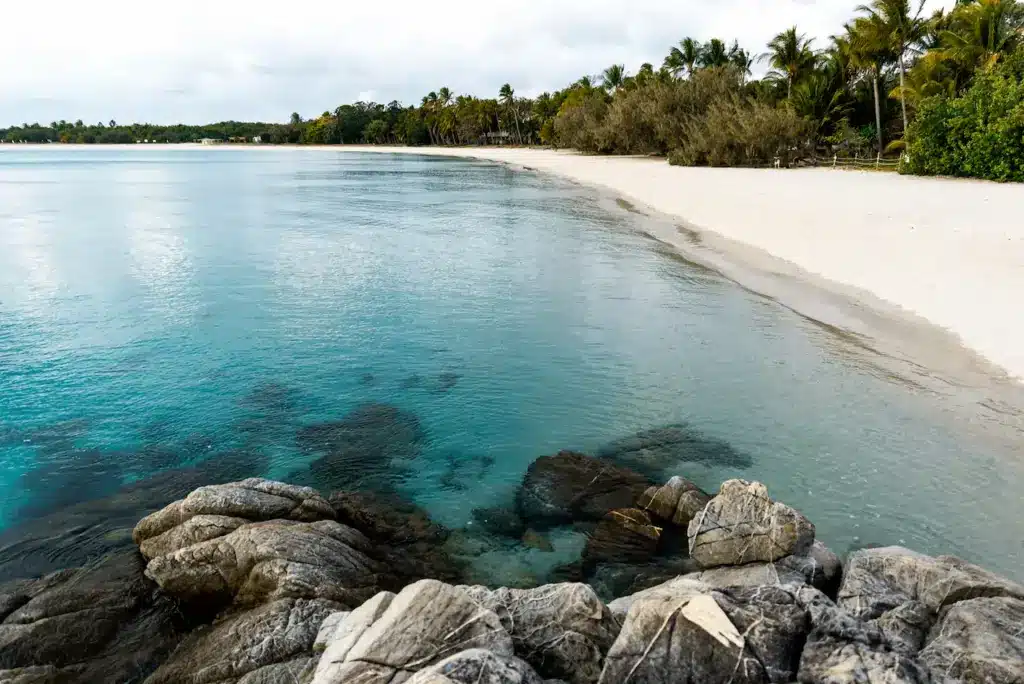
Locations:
949 251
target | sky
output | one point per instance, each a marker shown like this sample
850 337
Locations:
195 61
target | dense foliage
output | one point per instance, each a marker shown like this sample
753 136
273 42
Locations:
978 134
941 87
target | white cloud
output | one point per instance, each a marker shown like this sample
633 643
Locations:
202 60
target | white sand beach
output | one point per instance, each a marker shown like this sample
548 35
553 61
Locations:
949 251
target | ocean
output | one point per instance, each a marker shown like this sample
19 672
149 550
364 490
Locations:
446 322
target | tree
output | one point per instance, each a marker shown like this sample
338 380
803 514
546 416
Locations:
613 77
713 54
740 58
790 54
869 50
508 100
683 58
903 28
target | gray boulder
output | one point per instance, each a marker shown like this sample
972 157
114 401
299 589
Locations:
878 580
570 486
679 588
562 630
105 622
250 646
677 501
684 632
425 623
252 500
820 568
344 634
743 525
844 650
979 640
477 666
271 560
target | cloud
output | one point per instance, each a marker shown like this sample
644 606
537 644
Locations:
204 60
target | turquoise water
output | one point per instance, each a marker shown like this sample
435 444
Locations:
166 307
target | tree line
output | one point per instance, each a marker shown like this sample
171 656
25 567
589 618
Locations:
944 89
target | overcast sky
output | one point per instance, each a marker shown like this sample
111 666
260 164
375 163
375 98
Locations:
196 61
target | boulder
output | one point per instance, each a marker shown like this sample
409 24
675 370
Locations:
425 623
344 635
250 646
820 568
623 536
676 502
272 560
99 623
679 633
878 580
251 500
329 628
477 666
562 630
905 627
979 640
571 486
678 589
844 650
743 525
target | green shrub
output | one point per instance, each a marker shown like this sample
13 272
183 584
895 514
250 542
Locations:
979 134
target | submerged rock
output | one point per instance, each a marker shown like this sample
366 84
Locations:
500 521
743 525
571 486
562 630
652 451
66 477
361 446
623 536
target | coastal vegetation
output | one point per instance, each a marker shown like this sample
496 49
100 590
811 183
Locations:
944 91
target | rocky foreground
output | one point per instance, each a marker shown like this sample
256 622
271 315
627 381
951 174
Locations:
260 582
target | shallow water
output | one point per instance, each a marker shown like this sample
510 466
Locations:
160 308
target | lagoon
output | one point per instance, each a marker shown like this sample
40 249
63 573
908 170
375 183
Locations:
436 324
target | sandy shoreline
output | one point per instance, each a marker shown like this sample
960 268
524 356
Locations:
949 251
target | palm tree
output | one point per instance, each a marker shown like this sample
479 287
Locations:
683 58
508 99
740 58
977 33
790 54
869 50
713 54
613 77
904 28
